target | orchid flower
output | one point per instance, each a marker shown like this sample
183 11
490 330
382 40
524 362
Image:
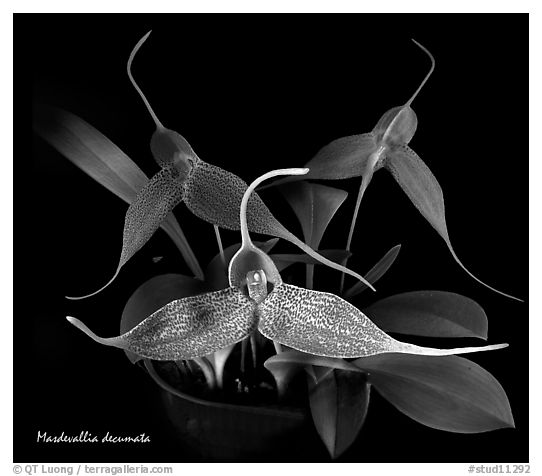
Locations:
211 193
386 146
310 321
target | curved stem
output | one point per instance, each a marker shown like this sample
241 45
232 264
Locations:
245 237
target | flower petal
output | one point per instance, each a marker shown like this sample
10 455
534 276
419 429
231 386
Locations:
187 328
102 160
324 324
340 159
155 294
282 261
214 195
216 276
423 189
146 213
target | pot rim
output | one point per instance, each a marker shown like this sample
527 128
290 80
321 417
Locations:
289 412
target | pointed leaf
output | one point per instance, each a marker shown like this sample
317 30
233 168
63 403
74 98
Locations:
90 150
314 206
216 276
430 313
324 324
283 373
282 261
218 361
446 393
187 328
215 195
376 272
102 160
339 404
153 295
302 359
421 186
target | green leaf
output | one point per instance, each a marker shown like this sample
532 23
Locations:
216 276
376 272
447 393
431 314
282 261
314 205
153 295
283 373
218 361
102 160
302 359
339 404
421 186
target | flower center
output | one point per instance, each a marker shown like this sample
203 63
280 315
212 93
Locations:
257 285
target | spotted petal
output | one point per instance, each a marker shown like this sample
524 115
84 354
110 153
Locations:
187 328
214 195
324 324
153 203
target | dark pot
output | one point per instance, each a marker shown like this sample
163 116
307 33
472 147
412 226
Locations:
215 431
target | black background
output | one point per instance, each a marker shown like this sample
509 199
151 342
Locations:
251 94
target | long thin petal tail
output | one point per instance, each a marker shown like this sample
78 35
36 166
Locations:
187 328
423 189
323 324
409 102
415 349
135 85
307 249
76 298
474 277
111 341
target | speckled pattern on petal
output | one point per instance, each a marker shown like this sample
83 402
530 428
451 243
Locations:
321 324
149 209
214 195
192 327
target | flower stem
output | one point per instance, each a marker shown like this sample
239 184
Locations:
309 276
363 186
253 347
220 248
243 354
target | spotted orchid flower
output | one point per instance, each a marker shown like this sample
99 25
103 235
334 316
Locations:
314 322
210 192
387 147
